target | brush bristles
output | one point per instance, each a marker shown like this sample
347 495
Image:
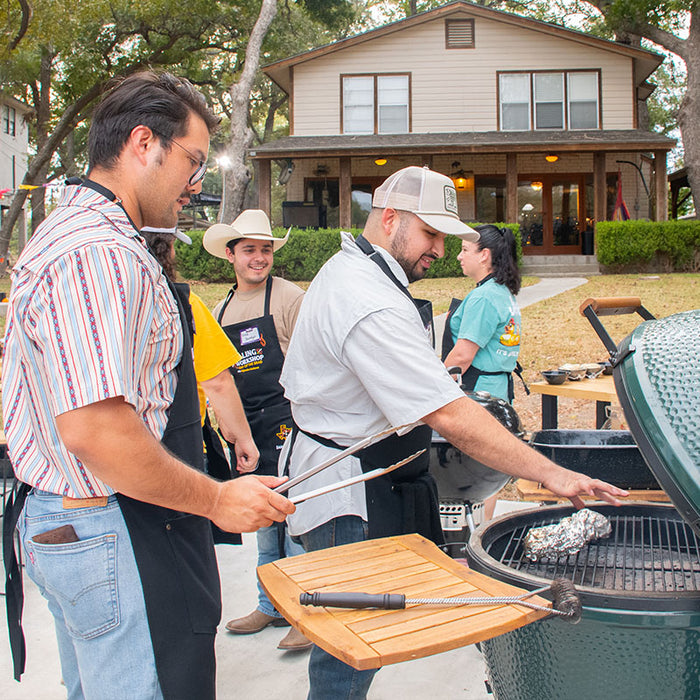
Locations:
566 600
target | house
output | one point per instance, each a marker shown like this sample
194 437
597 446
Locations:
532 122
14 144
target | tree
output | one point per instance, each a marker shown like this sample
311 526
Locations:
318 13
59 57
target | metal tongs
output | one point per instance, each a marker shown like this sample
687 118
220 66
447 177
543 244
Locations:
347 452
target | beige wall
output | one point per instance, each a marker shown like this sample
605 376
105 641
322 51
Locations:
454 90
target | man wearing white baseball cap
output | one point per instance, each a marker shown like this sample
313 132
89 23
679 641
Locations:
258 316
360 362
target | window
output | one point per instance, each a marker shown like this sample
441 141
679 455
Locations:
459 34
9 117
583 100
514 90
375 104
549 100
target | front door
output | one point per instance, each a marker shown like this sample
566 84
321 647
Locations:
551 211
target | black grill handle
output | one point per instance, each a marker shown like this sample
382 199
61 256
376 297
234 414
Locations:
611 306
384 601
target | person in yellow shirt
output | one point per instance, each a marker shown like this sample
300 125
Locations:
213 355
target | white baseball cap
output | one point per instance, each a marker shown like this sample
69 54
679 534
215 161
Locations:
172 231
431 196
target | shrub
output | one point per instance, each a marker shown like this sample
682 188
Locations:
302 256
664 245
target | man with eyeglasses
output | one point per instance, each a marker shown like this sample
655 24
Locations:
102 417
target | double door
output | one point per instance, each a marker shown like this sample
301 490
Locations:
551 213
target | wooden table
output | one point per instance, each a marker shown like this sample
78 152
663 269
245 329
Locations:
409 564
601 390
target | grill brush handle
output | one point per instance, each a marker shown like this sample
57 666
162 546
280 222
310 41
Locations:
384 601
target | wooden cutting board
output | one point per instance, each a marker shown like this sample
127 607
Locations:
408 564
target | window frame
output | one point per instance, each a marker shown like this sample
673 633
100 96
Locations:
9 120
566 99
375 101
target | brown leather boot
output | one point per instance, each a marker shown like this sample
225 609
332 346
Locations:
256 621
295 641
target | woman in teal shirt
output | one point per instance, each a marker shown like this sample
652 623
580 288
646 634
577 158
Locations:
484 329
482 333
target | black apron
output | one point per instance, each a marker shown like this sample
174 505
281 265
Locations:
257 380
405 500
472 374
174 553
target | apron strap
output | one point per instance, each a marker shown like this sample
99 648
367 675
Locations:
14 593
268 295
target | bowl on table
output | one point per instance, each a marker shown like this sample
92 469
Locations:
575 372
555 376
593 369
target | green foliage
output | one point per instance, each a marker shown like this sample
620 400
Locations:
666 245
303 255
448 265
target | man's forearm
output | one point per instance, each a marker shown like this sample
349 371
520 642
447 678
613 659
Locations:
130 460
474 431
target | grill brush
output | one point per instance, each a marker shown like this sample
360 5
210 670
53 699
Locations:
565 600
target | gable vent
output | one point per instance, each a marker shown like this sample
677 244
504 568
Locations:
459 34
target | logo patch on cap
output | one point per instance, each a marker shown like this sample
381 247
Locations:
451 200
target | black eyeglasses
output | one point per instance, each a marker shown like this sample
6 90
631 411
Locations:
201 164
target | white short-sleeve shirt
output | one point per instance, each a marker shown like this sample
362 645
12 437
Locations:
359 362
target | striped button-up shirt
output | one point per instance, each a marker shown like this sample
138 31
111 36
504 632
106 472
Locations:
90 318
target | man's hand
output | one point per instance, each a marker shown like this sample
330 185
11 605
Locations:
246 504
247 454
573 485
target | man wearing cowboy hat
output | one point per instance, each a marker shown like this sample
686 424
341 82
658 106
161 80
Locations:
258 315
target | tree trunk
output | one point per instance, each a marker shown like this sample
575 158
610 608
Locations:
689 111
238 176
42 108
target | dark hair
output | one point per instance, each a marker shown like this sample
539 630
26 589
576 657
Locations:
161 245
504 263
160 101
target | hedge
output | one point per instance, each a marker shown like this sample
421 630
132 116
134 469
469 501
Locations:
302 256
669 246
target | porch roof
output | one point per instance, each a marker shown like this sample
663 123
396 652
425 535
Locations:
462 142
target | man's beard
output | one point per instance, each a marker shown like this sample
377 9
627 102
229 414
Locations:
413 269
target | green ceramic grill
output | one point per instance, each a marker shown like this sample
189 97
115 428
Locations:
639 636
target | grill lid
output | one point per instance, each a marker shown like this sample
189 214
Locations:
657 379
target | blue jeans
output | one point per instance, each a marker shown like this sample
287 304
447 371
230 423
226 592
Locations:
330 678
94 594
269 550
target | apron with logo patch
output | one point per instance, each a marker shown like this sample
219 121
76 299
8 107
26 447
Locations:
257 379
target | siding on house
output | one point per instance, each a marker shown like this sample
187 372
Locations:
13 146
456 89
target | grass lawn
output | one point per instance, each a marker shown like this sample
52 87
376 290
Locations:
553 330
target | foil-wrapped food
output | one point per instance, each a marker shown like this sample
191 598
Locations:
566 537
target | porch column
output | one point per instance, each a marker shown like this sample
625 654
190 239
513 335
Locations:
263 174
345 194
661 182
600 192
512 188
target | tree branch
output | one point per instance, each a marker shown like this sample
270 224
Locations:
24 24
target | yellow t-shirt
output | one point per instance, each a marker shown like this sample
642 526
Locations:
213 351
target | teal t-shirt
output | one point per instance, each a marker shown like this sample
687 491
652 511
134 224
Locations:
489 316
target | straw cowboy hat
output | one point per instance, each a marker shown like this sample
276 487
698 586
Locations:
251 223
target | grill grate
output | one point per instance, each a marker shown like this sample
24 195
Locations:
643 553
